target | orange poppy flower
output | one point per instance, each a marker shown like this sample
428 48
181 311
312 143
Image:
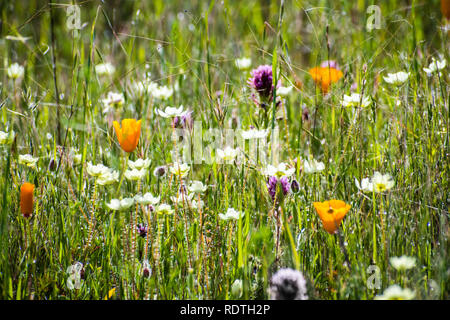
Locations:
325 76
331 213
26 199
128 134
445 8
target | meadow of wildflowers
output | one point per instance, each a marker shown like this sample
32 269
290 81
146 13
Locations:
260 149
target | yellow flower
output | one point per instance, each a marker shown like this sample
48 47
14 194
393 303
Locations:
128 134
111 293
331 213
325 76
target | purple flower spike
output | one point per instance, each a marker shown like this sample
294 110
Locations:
262 80
142 230
272 186
284 181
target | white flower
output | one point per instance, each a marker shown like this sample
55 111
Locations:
77 157
236 288
15 71
161 92
7 137
381 182
96 170
74 280
180 170
396 78
135 174
105 69
171 112
366 185
243 63
354 99
116 204
254 134
394 292
139 164
403 262
378 183
284 91
279 171
197 187
164 209
108 177
227 154
181 198
231 214
28 160
147 199
435 66
113 99
197 204
313 166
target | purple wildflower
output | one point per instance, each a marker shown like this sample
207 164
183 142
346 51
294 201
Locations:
185 121
273 183
142 230
262 80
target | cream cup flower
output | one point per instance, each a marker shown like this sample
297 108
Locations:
395 292
113 99
231 214
7 137
396 78
243 63
227 154
108 177
365 186
135 174
116 204
354 99
15 71
254 134
435 66
403 262
105 69
382 182
313 166
171 112
139 164
96 170
284 91
164 209
180 169
28 160
197 187
161 92
147 199
197 204
278 171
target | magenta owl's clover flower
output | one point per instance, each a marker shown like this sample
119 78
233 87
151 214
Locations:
185 121
282 186
262 80
142 230
330 64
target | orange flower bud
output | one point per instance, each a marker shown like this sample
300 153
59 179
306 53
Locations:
331 213
325 76
26 199
128 134
445 8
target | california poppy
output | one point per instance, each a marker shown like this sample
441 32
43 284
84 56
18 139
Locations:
325 76
331 213
128 134
26 199
445 8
